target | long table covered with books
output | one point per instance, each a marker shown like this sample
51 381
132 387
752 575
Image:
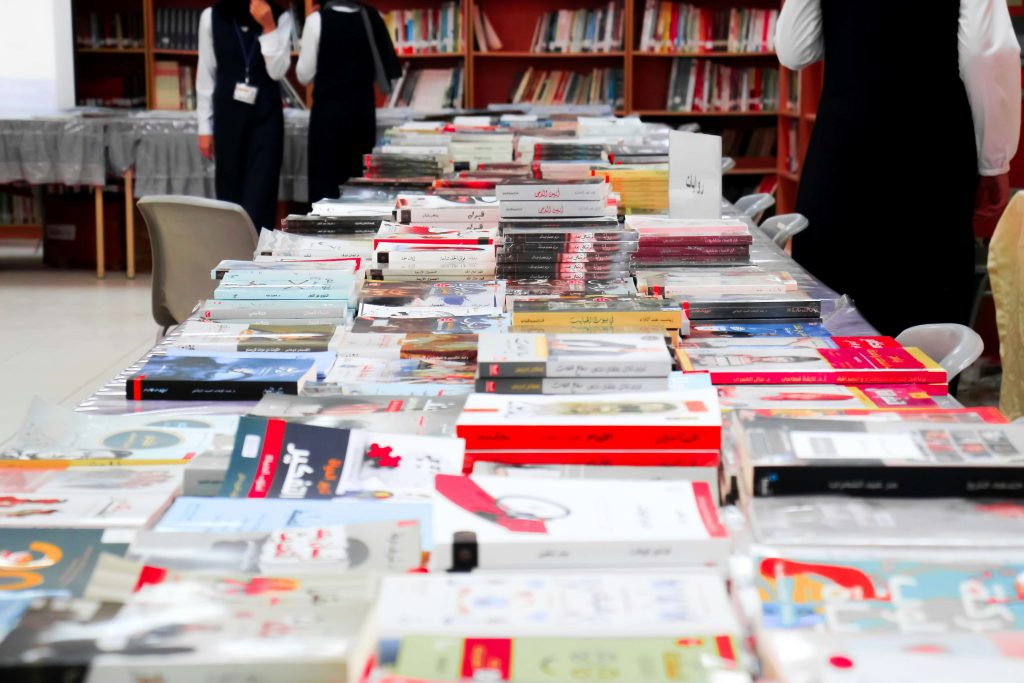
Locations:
519 422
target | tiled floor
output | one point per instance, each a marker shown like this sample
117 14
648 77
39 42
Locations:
63 332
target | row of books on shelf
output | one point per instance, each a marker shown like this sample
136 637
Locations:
429 89
19 208
113 31
562 86
177 28
426 30
681 27
701 85
580 30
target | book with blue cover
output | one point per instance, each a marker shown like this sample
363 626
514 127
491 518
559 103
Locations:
221 378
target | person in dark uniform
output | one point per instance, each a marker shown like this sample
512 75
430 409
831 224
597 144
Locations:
338 58
918 121
244 50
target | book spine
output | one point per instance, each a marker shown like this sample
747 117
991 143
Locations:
568 386
140 388
965 481
925 376
280 294
429 272
436 258
626 458
548 209
669 320
594 437
321 310
805 310
512 369
548 193
449 215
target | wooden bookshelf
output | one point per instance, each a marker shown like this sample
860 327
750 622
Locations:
489 76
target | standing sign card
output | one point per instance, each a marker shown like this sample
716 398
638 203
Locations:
694 175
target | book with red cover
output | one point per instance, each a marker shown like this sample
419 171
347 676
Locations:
848 365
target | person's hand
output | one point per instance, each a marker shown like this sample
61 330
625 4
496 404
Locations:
206 146
260 11
993 196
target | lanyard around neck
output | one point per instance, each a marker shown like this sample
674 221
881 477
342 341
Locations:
247 53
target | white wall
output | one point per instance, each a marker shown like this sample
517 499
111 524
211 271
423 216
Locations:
36 58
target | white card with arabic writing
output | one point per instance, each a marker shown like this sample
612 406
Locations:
695 175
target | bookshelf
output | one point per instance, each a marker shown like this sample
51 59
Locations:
106 71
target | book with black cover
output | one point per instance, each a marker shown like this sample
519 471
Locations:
218 378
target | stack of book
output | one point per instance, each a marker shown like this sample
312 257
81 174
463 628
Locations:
680 242
559 159
658 428
532 363
426 30
581 30
702 85
540 86
681 27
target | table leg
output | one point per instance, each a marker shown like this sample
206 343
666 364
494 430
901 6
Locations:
101 269
129 221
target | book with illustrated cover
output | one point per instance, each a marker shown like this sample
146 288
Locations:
354 371
669 421
847 521
472 324
832 397
519 355
51 562
377 546
780 342
787 365
430 209
754 329
377 311
453 347
543 288
235 515
789 456
565 386
533 628
63 437
528 316
218 378
429 294
426 416
804 656
494 523
278 459
888 590
256 337
794 305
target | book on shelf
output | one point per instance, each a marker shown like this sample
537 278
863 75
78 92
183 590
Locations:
681 27
174 86
580 30
703 85
428 89
487 39
426 29
110 31
497 523
177 28
541 86
535 627
792 147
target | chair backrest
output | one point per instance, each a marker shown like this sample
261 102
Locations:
753 205
954 347
191 235
781 229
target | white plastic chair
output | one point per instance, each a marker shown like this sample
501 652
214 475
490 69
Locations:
728 163
954 347
781 229
754 205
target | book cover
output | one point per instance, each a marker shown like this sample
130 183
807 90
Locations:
553 208
659 421
455 325
430 294
88 510
564 386
521 355
787 456
51 562
528 316
218 378
788 365
256 337
515 524
426 416
829 397
700 330
354 371
387 465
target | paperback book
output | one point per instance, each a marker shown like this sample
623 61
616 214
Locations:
218 378
425 416
520 355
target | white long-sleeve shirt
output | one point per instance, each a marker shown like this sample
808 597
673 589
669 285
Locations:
989 66
275 47
305 68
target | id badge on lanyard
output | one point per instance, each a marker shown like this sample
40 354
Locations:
245 91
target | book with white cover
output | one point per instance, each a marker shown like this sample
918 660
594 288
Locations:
92 510
573 355
549 524
564 604
338 207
